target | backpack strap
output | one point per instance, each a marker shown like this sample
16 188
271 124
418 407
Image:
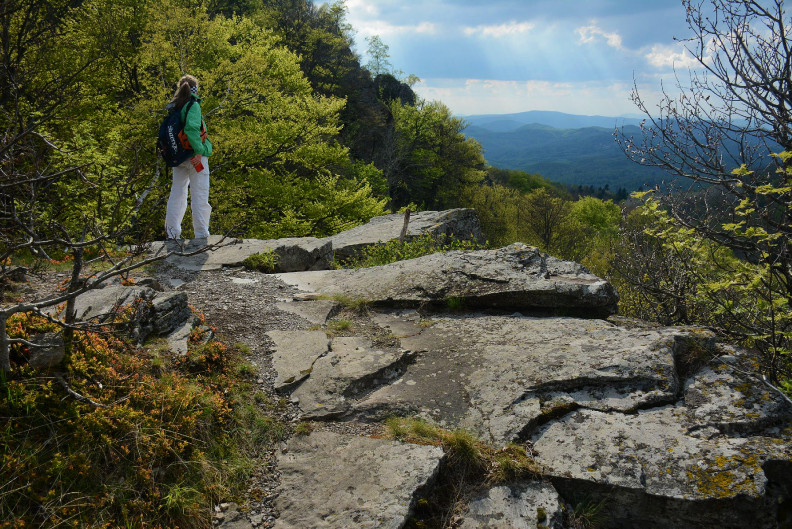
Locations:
189 104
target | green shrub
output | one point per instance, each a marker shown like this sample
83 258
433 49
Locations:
393 251
266 262
170 437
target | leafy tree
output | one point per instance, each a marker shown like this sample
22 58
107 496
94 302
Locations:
431 160
519 180
721 132
378 56
545 216
669 273
499 210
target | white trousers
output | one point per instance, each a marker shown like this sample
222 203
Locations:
186 177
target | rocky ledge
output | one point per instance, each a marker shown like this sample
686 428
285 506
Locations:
660 426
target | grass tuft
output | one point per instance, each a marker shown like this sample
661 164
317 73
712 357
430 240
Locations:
266 262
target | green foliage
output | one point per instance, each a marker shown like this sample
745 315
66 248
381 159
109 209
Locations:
518 180
455 303
335 327
472 464
278 168
462 447
587 514
668 272
169 442
465 450
304 428
266 262
394 250
512 463
432 161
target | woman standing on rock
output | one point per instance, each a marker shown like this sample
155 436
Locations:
193 174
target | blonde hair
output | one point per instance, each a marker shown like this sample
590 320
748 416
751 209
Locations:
182 94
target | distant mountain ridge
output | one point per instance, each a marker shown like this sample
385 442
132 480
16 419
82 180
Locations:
565 148
558 120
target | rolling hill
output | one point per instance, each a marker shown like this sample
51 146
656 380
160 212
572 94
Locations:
574 150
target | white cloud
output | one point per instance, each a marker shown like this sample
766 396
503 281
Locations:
382 28
664 57
500 30
362 8
486 96
590 34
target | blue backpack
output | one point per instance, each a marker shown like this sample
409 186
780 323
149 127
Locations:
171 143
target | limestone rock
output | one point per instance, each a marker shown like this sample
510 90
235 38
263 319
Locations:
400 324
103 303
331 481
316 312
178 339
49 352
501 376
294 254
516 506
350 369
517 277
458 223
681 454
149 311
295 353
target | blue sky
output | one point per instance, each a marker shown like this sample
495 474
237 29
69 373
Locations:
503 56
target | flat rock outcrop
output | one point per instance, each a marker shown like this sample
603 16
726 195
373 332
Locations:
502 375
713 445
661 426
462 224
657 422
294 254
330 480
517 277
350 368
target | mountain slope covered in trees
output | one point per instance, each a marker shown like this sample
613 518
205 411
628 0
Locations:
573 156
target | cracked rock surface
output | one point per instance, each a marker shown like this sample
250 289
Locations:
665 427
330 480
517 277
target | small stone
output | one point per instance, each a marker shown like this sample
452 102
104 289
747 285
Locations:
224 506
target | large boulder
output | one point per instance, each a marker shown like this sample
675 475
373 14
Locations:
517 277
333 481
146 310
719 457
456 223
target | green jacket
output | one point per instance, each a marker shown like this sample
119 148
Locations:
192 128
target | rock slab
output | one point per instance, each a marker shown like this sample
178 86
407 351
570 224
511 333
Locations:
515 506
294 254
705 461
351 368
333 481
517 277
158 313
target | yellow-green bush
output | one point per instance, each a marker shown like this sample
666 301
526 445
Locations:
165 445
